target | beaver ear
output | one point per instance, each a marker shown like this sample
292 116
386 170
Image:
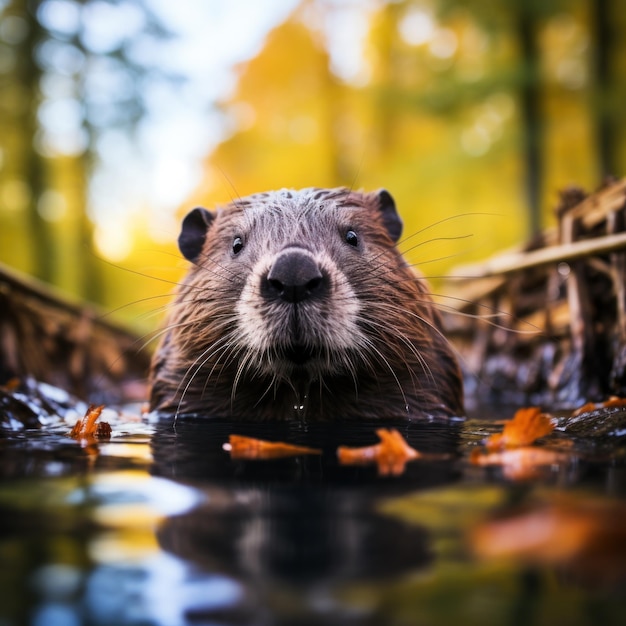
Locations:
391 219
193 232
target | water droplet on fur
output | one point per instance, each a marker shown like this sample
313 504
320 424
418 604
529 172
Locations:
300 404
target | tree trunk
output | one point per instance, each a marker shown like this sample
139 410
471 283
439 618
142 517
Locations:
605 123
34 166
530 107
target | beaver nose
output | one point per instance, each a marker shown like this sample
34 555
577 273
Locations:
294 276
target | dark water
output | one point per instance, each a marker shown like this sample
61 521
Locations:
160 526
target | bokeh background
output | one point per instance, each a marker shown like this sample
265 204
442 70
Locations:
117 116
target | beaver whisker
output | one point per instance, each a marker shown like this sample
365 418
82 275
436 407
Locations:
494 312
349 367
410 366
421 319
384 335
229 353
147 314
486 317
243 366
386 363
435 239
154 335
273 384
212 261
443 221
187 326
215 348
197 365
533 330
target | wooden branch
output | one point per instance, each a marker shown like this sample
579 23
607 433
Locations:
511 263
596 207
47 335
580 352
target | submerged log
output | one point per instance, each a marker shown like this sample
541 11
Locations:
547 324
47 336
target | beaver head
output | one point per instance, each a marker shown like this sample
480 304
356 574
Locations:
299 302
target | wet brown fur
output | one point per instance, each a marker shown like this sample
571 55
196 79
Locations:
399 365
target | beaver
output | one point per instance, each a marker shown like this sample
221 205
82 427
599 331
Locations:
297 303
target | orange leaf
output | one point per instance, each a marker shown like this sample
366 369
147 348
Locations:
11 385
613 401
585 408
86 428
391 454
527 425
241 447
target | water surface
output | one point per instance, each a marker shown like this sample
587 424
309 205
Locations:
160 526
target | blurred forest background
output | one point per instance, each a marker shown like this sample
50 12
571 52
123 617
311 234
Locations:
112 125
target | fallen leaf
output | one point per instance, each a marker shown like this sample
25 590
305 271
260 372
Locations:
612 402
391 454
241 447
585 408
11 385
87 428
527 425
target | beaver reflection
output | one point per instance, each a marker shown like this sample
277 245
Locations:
303 520
288 536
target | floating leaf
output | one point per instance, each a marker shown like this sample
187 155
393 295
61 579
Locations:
612 402
87 428
391 454
241 447
527 425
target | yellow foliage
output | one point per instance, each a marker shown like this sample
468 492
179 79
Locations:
435 118
297 125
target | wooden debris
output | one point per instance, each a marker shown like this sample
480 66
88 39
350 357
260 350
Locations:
547 325
47 336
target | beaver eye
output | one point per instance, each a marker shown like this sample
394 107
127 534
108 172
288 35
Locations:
351 238
237 245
